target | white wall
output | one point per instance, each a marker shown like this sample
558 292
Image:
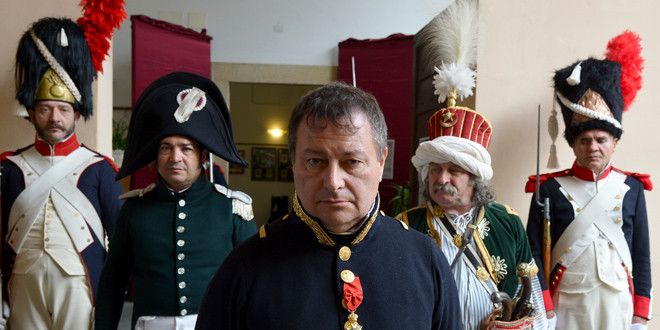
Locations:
246 31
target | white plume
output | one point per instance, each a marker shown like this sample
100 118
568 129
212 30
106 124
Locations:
451 75
451 43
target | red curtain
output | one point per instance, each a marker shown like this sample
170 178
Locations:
384 67
158 49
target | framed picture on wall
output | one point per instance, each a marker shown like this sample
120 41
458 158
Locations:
264 164
284 170
237 169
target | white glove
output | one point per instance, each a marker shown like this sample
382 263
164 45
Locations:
552 322
638 326
5 310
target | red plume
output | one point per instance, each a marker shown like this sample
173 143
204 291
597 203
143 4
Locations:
626 50
100 18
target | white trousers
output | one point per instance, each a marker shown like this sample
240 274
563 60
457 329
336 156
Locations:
602 308
45 297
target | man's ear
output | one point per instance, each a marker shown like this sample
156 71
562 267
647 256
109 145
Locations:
76 116
30 116
204 158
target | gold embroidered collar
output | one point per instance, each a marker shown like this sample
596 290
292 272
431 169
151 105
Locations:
322 235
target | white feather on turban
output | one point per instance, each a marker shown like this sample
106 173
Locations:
469 155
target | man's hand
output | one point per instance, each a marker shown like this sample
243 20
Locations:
638 323
552 319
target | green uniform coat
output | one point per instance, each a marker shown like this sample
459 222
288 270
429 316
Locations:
503 235
173 243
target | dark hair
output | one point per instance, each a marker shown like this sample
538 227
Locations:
335 103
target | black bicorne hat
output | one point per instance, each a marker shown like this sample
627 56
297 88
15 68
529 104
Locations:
179 103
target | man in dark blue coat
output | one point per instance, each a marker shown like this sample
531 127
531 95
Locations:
59 198
336 261
596 247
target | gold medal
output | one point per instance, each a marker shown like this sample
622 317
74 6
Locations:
458 240
482 273
352 323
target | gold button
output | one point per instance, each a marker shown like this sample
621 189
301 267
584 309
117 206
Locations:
578 210
618 220
344 253
347 276
382 213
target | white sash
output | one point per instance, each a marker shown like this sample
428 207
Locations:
68 200
595 211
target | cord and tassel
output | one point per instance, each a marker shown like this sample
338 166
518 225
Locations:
553 130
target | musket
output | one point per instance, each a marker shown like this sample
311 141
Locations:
546 247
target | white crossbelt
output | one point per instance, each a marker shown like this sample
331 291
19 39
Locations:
594 212
68 200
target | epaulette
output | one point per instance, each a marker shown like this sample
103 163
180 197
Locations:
645 179
108 159
530 186
241 203
510 210
138 192
404 213
6 154
262 231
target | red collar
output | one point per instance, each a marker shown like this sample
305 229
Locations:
62 148
587 175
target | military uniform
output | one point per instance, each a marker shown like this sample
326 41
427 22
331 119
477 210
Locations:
173 243
501 245
594 248
594 259
55 231
406 282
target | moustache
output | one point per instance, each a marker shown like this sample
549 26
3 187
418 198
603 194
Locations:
176 167
53 126
446 188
